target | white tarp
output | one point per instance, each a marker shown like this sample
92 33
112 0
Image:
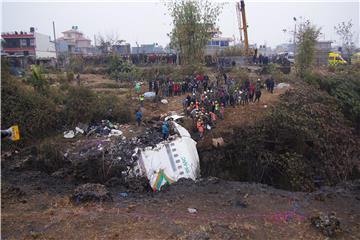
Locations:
282 85
149 95
170 160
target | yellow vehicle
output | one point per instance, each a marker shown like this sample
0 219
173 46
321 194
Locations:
335 59
355 59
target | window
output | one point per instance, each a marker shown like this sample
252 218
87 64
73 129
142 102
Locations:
338 58
23 43
32 42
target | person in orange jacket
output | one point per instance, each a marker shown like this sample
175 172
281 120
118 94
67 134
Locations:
200 127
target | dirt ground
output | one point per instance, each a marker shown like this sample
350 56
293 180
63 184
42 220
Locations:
36 205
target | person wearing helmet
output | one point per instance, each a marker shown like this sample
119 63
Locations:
141 99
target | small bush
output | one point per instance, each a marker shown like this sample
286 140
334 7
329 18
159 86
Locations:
70 76
49 157
79 105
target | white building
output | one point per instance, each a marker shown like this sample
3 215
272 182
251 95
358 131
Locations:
74 42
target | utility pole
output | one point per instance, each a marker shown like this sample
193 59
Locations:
56 54
294 37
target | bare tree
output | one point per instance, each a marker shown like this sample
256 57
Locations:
105 44
344 30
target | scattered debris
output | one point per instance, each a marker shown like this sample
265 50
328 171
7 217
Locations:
79 130
192 210
174 117
137 161
123 194
329 225
104 128
282 85
115 132
69 134
164 101
91 192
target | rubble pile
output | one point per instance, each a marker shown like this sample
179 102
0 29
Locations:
104 128
103 159
91 192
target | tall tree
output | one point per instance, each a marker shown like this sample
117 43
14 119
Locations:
105 44
193 25
344 30
306 41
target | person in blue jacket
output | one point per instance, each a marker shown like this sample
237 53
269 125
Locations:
138 116
165 130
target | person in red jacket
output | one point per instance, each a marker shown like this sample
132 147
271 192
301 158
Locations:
251 92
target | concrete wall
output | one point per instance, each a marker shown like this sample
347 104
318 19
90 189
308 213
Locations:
44 48
83 44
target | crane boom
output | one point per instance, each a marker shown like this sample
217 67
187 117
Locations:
246 40
238 14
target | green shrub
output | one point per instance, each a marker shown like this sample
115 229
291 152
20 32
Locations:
304 138
35 114
113 108
345 87
84 105
79 105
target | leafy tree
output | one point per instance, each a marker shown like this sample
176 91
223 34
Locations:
344 30
194 23
306 40
37 80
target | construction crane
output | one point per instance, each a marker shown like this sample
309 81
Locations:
241 16
238 14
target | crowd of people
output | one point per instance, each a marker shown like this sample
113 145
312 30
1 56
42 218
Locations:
206 100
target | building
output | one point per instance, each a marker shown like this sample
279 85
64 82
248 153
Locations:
217 43
285 47
74 42
122 49
28 44
322 49
148 49
264 50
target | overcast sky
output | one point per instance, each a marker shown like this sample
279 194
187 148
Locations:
149 22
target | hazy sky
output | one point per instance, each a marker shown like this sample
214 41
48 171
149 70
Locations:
149 22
